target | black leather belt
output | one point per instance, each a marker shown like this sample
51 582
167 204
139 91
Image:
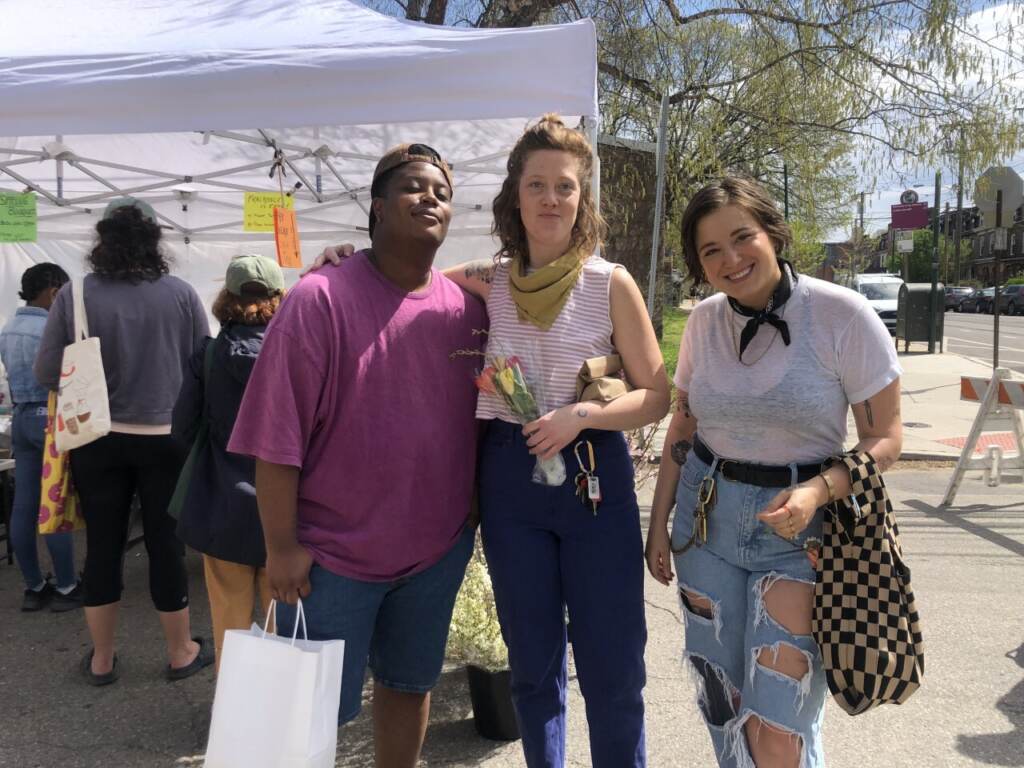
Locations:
763 475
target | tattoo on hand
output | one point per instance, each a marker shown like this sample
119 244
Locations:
481 270
679 450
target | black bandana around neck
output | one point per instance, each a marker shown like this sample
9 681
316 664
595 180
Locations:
767 315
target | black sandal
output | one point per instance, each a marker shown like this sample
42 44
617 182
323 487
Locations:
203 659
92 678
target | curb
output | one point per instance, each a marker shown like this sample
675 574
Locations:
928 456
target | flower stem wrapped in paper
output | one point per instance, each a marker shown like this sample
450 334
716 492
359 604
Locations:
505 377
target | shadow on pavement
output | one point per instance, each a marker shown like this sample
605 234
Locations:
1002 748
955 516
451 736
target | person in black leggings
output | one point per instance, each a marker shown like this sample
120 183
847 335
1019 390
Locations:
149 324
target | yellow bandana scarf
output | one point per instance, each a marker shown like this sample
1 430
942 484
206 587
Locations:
540 296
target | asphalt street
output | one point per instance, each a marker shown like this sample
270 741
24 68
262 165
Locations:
971 335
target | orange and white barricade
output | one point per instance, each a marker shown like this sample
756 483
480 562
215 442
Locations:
1000 398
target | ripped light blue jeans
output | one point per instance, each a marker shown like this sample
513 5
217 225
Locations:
743 560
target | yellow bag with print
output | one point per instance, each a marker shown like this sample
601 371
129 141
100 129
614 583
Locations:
59 509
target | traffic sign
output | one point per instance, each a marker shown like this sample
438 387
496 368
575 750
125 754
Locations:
905 241
910 216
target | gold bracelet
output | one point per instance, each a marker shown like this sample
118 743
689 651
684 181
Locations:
830 485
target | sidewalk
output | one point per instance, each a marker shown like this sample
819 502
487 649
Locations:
934 416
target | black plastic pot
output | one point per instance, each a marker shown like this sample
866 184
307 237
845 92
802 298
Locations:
491 694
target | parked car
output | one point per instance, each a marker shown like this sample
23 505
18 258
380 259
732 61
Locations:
980 300
1011 300
882 292
954 294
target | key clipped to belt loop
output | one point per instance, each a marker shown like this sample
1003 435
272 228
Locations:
588 486
705 503
590 466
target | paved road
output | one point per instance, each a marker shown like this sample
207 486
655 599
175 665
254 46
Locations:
971 335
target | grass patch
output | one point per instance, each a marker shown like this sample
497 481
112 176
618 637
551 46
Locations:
673 323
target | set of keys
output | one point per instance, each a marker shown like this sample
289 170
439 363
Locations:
707 495
588 487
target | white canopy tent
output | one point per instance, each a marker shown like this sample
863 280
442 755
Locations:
184 102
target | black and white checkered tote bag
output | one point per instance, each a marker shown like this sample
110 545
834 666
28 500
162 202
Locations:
865 621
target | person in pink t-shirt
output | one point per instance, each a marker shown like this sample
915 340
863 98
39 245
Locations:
362 426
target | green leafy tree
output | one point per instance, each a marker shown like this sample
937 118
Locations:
834 92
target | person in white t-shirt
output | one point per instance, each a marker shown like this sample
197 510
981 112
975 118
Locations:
768 370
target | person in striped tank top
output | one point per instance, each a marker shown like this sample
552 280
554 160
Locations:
554 302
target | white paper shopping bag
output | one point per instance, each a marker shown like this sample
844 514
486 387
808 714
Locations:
83 408
276 703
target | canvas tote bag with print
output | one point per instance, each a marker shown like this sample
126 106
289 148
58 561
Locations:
277 698
59 508
83 409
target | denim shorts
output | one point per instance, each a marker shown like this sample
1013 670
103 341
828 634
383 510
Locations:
399 627
740 562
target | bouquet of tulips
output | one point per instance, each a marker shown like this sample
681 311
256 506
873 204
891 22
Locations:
504 376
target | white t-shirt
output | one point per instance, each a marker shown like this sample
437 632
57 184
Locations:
789 405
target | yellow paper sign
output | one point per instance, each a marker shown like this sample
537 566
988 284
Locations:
258 210
18 217
286 235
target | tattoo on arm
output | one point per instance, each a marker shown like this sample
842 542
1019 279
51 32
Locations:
684 405
581 412
481 270
868 413
679 450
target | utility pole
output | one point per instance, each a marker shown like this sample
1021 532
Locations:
959 209
933 303
858 241
785 188
997 254
947 228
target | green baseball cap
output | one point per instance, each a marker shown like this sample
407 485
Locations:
250 268
121 202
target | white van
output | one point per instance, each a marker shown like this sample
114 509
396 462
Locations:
882 292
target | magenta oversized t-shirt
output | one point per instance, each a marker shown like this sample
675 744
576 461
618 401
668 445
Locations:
357 385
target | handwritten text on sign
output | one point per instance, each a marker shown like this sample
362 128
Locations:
286 234
17 217
258 210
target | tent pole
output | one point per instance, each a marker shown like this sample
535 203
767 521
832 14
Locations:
60 172
318 164
590 130
659 202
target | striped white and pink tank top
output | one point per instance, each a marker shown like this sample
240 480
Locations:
551 359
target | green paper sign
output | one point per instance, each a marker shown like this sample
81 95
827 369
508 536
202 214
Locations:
17 217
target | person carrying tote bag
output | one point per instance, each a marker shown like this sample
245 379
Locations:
143 325
769 370
36 458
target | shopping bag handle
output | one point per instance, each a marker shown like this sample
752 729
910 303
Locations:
299 614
